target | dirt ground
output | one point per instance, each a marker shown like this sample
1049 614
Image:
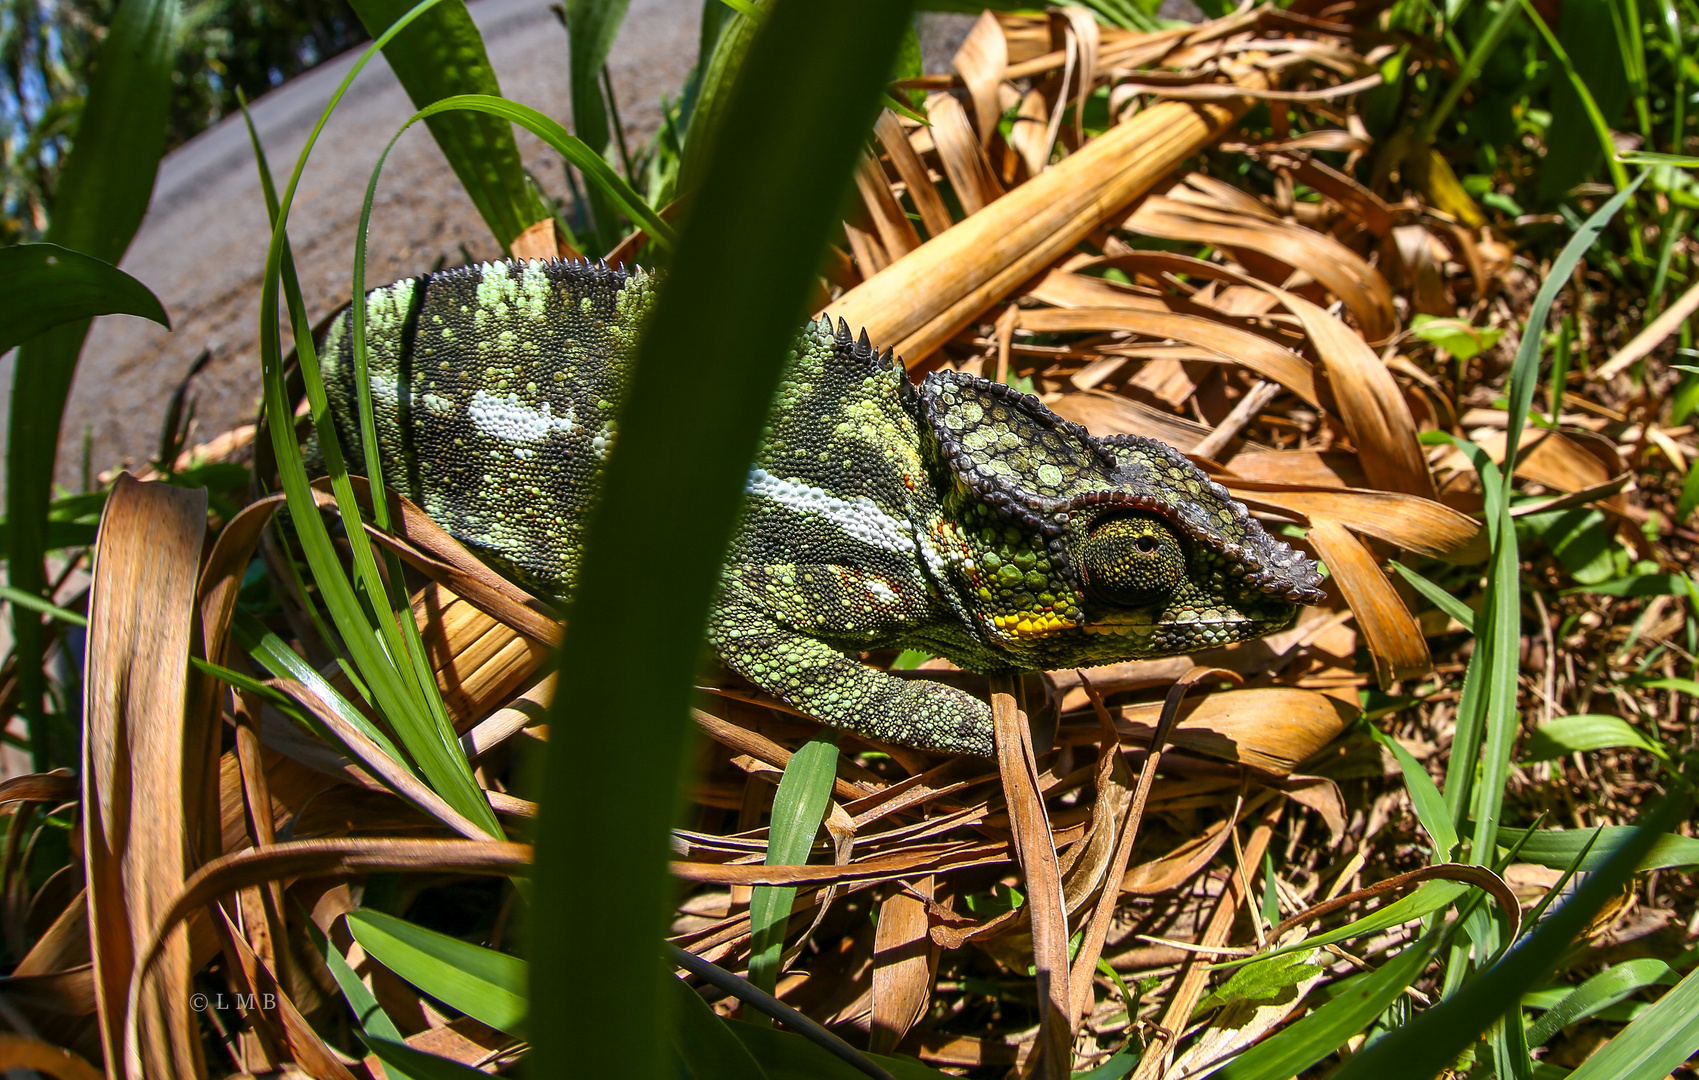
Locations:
202 246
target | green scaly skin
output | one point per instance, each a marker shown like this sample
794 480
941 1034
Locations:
958 517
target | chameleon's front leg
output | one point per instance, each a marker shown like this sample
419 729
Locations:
840 690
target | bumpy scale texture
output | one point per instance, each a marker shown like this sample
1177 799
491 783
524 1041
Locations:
959 517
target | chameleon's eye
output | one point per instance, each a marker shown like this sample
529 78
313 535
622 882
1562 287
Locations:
1132 560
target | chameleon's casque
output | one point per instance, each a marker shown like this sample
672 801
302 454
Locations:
958 516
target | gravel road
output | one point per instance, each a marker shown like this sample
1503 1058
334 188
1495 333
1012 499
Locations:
202 246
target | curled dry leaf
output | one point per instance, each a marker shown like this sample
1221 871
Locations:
1268 728
1416 524
1394 638
1345 274
1035 851
22 1052
905 961
962 155
981 61
148 776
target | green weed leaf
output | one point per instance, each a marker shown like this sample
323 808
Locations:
43 285
482 983
1580 734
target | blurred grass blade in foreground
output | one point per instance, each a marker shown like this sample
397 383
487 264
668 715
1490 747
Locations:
736 293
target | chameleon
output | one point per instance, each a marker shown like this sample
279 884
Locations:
955 515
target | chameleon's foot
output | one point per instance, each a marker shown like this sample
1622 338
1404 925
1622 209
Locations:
928 716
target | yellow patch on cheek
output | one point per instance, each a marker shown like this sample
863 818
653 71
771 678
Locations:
1031 626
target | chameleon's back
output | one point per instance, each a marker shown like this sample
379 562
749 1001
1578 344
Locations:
498 384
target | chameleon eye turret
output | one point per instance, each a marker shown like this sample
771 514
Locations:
1132 560
957 516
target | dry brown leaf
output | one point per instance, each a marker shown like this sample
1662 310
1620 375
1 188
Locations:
1311 468
1350 195
1112 414
23 1052
981 60
1421 525
1030 134
1035 852
1269 728
1374 410
905 961
896 233
1231 344
56 787
912 170
928 296
1365 292
1077 29
1393 636
961 154
146 780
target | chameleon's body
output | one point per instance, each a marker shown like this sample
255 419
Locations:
958 517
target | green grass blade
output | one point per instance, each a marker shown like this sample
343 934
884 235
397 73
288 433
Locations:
442 55
43 285
374 1022
1498 654
102 194
1580 734
591 26
482 983
1424 795
596 171
275 656
798 808
1442 599
1558 848
362 616
1295 1048
40 606
734 298
1431 1042
1656 1042
713 97
1597 994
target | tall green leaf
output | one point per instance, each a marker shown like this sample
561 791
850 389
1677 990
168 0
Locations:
705 374
591 26
1296 1048
1497 655
103 193
440 55
43 285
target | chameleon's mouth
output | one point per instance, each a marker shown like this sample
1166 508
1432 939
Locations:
1136 624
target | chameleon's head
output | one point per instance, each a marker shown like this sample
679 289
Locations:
1079 550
